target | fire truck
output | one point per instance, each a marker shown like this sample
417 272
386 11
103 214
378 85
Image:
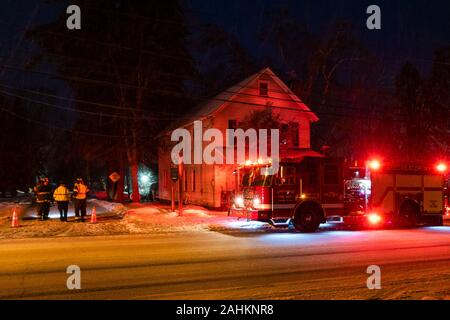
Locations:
447 197
316 190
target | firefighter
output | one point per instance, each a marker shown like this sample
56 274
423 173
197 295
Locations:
43 198
80 191
36 190
61 196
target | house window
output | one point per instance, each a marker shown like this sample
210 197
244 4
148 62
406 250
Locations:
263 89
232 124
284 133
289 134
294 134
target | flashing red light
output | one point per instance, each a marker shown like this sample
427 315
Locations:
441 167
374 164
374 218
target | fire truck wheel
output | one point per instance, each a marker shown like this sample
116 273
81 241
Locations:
307 217
409 213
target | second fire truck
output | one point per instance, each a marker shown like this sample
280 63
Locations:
316 190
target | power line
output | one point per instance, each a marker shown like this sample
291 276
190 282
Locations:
58 127
179 117
103 82
167 92
136 118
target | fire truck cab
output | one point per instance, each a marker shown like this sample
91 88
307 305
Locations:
315 190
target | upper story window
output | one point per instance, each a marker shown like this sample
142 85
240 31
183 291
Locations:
232 124
284 134
264 89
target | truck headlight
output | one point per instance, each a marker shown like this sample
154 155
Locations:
239 201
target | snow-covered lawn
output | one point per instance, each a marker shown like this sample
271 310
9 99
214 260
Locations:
108 215
117 219
7 208
160 218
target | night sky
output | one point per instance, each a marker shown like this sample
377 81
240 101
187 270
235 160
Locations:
411 30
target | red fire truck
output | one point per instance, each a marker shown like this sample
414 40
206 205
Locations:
316 190
447 197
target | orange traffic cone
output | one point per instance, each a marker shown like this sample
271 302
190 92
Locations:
94 215
15 219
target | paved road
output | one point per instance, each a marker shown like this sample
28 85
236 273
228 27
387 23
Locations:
210 265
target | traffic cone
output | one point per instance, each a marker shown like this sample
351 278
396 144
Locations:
15 219
94 215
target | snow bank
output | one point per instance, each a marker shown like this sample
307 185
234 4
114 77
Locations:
112 207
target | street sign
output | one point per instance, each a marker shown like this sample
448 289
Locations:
114 177
174 174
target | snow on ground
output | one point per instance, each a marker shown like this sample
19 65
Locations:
108 206
117 219
160 218
7 207
108 215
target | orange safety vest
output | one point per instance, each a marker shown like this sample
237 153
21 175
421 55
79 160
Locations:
80 190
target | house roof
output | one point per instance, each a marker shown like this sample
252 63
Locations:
216 103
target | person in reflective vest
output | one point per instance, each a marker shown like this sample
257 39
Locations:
43 198
61 196
80 191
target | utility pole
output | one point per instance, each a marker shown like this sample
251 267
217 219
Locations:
173 195
174 176
180 186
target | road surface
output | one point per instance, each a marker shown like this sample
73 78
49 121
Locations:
415 264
